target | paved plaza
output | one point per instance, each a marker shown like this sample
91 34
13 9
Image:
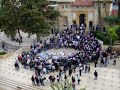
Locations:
108 79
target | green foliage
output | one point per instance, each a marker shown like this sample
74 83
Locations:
2 53
106 41
32 17
118 32
52 86
60 86
112 20
82 89
112 32
100 35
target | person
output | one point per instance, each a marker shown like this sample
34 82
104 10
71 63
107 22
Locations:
37 80
114 62
3 45
58 79
60 74
40 79
73 79
65 86
65 78
50 78
86 68
70 72
95 63
89 69
78 79
16 66
53 79
80 71
44 70
96 75
33 80
73 86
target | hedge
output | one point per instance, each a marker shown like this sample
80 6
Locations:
2 53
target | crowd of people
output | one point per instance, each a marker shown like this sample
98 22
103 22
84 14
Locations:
90 50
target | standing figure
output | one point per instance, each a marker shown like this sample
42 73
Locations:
33 80
96 75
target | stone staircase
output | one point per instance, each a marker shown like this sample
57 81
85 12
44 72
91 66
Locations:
14 85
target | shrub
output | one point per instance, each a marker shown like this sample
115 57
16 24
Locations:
106 41
100 35
2 53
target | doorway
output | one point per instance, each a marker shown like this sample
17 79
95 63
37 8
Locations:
90 25
82 19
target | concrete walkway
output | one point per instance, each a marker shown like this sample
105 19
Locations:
26 41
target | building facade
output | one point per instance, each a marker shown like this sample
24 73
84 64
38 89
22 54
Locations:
81 12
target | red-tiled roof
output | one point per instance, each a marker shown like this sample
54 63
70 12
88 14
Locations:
82 3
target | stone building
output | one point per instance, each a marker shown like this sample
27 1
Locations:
81 11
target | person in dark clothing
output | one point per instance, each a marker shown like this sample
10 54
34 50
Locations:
65 77
53 79
80 71
58 79
95 63
114 62
33 80
96 75
88 68
16 66
70 72
50 78
73 79
37 80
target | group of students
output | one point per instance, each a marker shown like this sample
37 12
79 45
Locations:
89 51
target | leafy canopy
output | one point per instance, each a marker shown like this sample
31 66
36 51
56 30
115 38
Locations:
31 16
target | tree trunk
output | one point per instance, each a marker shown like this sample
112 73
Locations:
38 37
20 37
118 9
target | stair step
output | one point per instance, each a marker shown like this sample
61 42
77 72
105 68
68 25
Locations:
17 85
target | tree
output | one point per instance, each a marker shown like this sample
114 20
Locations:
31 16
7 19
112 33
10 19
38 16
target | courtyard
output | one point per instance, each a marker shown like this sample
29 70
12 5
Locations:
60 45
10 79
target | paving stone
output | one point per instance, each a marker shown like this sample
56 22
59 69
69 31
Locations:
103 84
94 88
